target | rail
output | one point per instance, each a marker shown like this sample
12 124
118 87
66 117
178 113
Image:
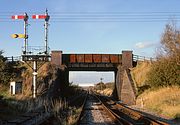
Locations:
127 115
119 120
82 108
103 108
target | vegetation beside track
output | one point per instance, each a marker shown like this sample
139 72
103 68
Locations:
105 88
164 101
64 100
158 82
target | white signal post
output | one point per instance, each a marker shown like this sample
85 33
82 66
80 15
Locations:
34 91
46 24
25 18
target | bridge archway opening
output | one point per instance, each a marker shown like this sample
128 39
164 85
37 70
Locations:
89 78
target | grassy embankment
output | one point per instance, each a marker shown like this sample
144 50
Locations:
164 101
12 106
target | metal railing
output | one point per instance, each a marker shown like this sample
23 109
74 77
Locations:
143 58
13 58
36 50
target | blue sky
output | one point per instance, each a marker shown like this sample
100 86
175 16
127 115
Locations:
86 37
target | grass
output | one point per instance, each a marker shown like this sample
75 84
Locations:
139 73
12 107
73 115
107 91
4 91
164 101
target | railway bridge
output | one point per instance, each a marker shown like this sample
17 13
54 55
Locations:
118 63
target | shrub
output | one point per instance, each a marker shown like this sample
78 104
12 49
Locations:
8 70
164 72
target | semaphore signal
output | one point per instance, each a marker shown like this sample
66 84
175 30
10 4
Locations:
19 36
39 16
25 18
29 55
18 17
46 17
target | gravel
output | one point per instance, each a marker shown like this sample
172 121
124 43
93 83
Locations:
94 114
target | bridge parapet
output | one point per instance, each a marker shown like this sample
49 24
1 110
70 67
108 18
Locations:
109 61
92 58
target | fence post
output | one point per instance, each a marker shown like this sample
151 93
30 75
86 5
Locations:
151 60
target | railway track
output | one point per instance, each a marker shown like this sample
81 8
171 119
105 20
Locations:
94 112
101 110
96 109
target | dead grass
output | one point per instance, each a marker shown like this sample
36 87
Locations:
4 91
107 91
73 115
164 101
45 69
139 73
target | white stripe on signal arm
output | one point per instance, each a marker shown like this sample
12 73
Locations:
37 16
16 17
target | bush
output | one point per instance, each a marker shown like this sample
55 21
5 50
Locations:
164 72
9 71
100 86
141 89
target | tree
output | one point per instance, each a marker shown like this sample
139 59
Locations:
8 70
170 42
2 67
165 71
